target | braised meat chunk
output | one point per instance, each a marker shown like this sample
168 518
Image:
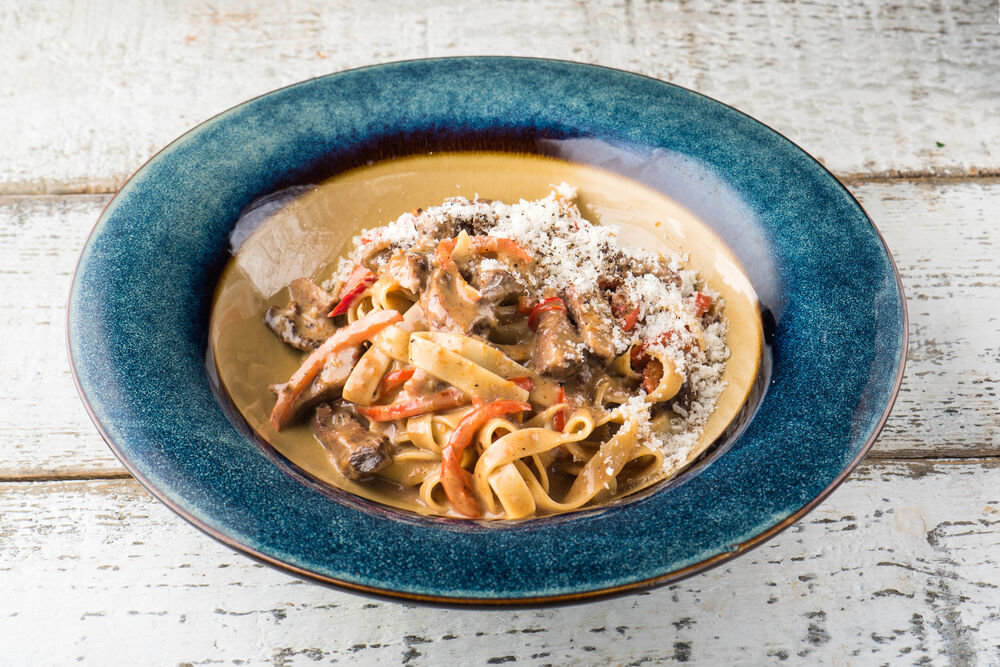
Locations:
593 320
447 308
497 282
468 219
409 269
303 323
357 452
375 254
557 346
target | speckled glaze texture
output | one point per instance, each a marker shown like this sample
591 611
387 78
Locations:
139 306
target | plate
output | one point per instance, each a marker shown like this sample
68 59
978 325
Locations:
834 313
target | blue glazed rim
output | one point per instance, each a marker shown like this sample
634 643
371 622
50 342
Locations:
138 313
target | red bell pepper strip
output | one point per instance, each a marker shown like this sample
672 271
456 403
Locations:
524 383
353 334
482 244
559 419
702 302
454 478
551 303
442 254
357 282
652 374
448 399
500 246
638 357
394 379
628 322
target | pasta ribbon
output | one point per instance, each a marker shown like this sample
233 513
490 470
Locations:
669 384
604 466
461 372
411 466
546 391
362 384
394 341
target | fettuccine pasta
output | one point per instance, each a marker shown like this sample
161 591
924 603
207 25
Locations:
503 362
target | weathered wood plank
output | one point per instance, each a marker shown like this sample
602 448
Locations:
944 238
941 233
96 88
44 428
898 566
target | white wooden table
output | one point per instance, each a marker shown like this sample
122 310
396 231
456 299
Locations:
901 565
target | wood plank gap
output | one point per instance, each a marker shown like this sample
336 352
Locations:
980 176
904 455
945 176
83 476
21 191
10 197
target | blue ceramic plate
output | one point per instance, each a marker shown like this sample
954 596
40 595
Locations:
138 319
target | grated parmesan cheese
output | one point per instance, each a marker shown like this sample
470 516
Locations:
570 251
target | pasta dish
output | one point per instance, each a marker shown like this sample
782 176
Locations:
503 361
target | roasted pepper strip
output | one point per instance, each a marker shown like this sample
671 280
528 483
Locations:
394 379
629 321
551 303
454 478
357 282
353 334
559 418
448 399
500 246
525 383
652 374
702 302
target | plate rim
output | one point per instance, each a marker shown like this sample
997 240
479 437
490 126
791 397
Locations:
735 550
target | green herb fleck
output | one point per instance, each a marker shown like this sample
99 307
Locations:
939 144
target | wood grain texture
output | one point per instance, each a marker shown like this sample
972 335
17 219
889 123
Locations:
95 88
942 234
899 566
44 429
945 238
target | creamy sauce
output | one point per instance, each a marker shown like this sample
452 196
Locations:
309 234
